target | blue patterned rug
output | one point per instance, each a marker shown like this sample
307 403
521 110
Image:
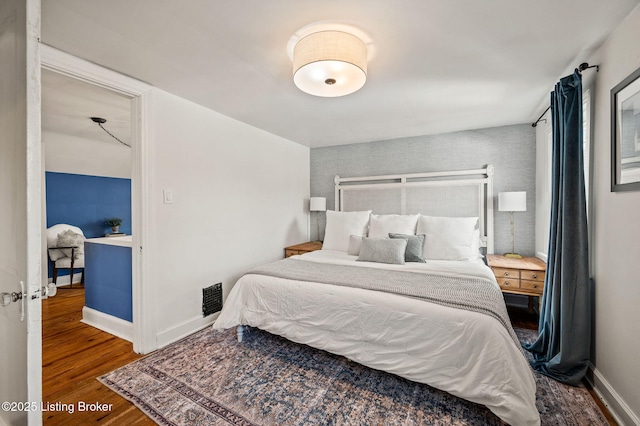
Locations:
211 379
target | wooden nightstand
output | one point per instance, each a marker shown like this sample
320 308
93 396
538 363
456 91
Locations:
519 276
302 248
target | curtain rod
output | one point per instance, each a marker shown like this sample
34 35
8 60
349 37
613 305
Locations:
583 66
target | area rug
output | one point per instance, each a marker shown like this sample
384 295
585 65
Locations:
209 378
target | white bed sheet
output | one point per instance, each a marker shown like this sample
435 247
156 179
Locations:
468 354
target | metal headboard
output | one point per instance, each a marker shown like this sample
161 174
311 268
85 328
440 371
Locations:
401 194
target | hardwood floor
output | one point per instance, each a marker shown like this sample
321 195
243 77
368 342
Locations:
522 318
73 356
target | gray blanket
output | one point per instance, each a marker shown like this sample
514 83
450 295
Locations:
475 294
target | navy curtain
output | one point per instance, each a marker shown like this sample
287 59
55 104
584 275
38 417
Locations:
563 345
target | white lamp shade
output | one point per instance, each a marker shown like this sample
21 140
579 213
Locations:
512 201
318 204
330 63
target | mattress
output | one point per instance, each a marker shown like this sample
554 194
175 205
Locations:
468 354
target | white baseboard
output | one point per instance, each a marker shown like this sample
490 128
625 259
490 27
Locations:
618 408
64 279
184 329
105 322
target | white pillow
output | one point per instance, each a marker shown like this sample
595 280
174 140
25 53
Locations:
380 226
476 243
69 238
447 238
52 238
341 225
355 242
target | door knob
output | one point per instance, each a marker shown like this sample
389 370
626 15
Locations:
7 298
49 290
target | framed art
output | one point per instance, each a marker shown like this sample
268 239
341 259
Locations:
625 134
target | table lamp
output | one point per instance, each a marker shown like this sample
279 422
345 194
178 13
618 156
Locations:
512 202
318 204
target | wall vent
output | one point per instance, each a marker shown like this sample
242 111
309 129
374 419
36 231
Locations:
211 299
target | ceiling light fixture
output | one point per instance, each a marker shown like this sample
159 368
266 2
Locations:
330 63
100 121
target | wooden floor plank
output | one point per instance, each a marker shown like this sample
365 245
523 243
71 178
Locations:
74 355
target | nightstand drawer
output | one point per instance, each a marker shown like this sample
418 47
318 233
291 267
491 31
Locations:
532 275
508 283
535 286
514 274
519 275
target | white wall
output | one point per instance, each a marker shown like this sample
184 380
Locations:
239 199
71 154
616 240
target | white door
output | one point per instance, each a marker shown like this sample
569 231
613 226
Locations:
20 212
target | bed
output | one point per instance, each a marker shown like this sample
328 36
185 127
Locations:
440 322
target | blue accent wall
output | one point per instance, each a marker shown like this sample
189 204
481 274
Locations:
108 280
86 202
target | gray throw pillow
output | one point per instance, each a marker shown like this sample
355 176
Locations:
415 244
382 250
71 239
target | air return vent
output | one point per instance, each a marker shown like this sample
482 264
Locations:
211 299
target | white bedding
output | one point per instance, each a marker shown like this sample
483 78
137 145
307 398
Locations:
468 354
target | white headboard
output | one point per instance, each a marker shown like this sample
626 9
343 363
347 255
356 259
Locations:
450 193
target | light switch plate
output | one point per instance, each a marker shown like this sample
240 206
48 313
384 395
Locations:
168 196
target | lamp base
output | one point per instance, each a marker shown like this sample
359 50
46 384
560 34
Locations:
513 255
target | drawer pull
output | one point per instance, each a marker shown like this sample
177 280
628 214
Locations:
535 285
506 274
506 283
535 276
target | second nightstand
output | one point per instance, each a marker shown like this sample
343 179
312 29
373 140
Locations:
519 276
302 248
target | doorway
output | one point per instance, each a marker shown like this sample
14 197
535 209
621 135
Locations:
87 183
70 67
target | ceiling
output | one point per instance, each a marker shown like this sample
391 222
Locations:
68 104
435 66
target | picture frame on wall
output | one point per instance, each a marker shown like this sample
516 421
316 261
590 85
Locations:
625 134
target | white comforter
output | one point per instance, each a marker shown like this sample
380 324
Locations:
468 354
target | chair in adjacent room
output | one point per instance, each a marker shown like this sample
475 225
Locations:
65 249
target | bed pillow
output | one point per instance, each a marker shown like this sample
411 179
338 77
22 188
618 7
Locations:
355 242
447 238
476 244
383 250
341 225
415 246
380 226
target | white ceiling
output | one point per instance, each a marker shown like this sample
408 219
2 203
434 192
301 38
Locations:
435 65
68 104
